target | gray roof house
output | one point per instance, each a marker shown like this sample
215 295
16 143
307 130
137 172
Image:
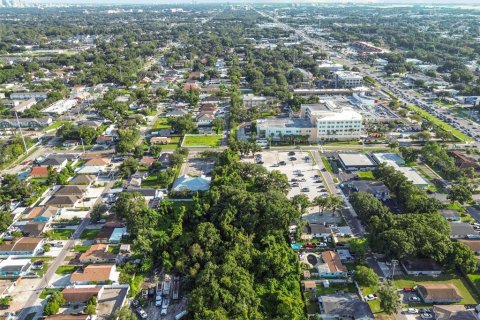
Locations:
462 230
344 306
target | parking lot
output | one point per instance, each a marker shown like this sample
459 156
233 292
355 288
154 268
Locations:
299 167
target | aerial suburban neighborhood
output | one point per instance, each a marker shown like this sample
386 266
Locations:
239 160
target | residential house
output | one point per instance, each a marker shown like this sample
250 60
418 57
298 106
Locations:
97 253
331 266
309 285
81 294
41 214
317 231
344 306
55 161
463 161
474 245
25 122
419 267
103 139
176 113
147 161
22 247
63 201
94 273
160 140
439 293
104 235
375 188
70 143
39 172
33 229
97 162
462 230
82 180
449 214
14 267
165 159
205 119
453 312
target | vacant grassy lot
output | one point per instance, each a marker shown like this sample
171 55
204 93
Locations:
445 126
199 141
411 281
365 175
80 249
64 270
161 123
89 234
59 234
172 145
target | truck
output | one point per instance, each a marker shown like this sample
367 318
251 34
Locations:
167 285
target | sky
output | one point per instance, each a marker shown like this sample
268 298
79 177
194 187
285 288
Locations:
456 2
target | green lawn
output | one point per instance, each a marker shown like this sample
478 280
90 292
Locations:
475 278
342 143
172 145
80 249
47 291
199 141
64 270
445 126
161 123
365 175
150 181
59 234
55 125
89 234
334 287
114 249
374 304
327 164
412 281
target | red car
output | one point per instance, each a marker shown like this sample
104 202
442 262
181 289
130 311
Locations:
407 289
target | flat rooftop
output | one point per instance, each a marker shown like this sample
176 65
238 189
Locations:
356 160
285 123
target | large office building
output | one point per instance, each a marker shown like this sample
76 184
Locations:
320 122
348 79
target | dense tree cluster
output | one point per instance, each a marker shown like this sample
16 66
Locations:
236 268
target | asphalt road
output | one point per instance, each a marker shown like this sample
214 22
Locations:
30 306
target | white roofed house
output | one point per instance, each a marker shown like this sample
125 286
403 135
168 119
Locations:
192 184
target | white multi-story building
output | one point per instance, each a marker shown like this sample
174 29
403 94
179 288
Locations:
348 79
319 122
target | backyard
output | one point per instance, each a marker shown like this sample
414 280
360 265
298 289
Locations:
161 123
365 175
59 234
65 270
202 141
89 234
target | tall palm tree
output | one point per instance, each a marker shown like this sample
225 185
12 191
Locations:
321 202
335 203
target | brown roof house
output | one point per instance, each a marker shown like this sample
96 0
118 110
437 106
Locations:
439 293
39 172
97 253
81 294
453 312
95 273
331 266
309 285
464 161
22 247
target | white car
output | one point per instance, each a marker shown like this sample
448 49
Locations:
142 313
370 297
414 299
426 316
412 311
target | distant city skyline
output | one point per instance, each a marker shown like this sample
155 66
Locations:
180 2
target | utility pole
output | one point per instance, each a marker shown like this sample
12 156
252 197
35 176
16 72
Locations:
21 132
83 146
394 264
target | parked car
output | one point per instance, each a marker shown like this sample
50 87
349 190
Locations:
282 163
407 289
414 299
305 190
142 313
291 153
426 316
370 297
412 311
